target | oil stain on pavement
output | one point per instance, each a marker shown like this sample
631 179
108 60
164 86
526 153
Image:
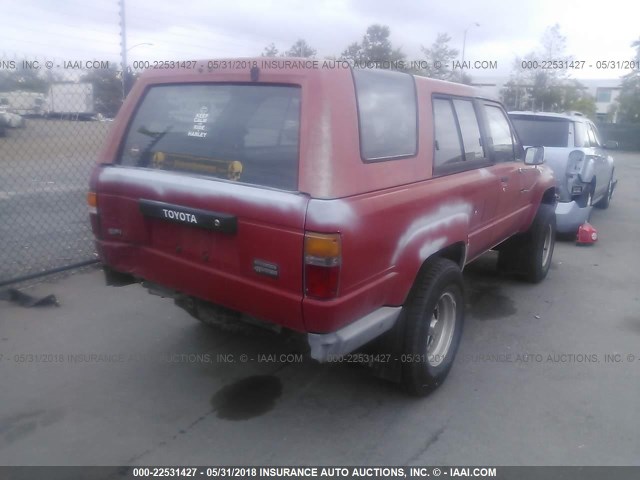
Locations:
486 302
247 398
18 426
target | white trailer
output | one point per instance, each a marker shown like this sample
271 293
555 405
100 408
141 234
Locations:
70 99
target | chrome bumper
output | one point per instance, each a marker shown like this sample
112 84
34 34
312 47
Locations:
325 346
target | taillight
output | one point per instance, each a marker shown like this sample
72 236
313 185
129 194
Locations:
92 202
322 259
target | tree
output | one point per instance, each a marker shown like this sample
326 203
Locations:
107 90
628 103
301 49
439 57
576 98
531 86
270 51
353 53
375 48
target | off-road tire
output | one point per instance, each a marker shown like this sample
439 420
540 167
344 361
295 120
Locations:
437 296
529 254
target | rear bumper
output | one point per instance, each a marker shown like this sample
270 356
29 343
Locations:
189 278
326 346
569 216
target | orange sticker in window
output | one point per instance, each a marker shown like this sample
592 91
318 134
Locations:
234 171
158 160
231 169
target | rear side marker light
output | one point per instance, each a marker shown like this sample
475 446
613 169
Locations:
92 202
322 260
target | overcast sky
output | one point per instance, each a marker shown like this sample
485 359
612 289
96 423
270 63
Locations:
197 29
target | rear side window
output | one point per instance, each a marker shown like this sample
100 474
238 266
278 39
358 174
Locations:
471 138
458 141
387 113
246 133
594 136
582 138
501 137
541 131
447 139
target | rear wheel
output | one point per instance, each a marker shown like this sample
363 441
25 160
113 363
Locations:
586 199
433 320
606 200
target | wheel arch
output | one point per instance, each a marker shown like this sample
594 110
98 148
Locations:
549 196
456 252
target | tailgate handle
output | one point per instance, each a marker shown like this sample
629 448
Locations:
194 217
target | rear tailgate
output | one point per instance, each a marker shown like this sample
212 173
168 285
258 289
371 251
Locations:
203 198
251 263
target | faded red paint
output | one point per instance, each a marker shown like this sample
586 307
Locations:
376 207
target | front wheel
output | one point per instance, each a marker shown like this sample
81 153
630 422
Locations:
433 320
541 241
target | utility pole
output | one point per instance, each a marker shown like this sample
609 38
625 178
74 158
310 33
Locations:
123 51
464 39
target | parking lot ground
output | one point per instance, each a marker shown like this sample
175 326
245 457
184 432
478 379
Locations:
546 374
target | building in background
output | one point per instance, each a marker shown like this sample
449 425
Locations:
604 91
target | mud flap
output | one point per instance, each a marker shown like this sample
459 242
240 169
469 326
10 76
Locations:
114 278
390 348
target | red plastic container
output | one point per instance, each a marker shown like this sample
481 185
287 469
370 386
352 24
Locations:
587 234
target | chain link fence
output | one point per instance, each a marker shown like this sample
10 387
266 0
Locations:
626 134
52 125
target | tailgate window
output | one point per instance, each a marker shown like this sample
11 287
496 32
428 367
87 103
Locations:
245 133
542 131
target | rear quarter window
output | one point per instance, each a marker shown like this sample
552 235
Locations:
540 131
594 136
581 136
245 133
388 114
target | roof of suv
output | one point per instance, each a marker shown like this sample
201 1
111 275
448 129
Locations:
574 116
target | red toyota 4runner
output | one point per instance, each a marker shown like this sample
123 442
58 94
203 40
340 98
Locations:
341 204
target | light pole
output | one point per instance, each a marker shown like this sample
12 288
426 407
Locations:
464 39
123 48
125 72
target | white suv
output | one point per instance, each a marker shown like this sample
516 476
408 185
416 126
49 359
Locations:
583 168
